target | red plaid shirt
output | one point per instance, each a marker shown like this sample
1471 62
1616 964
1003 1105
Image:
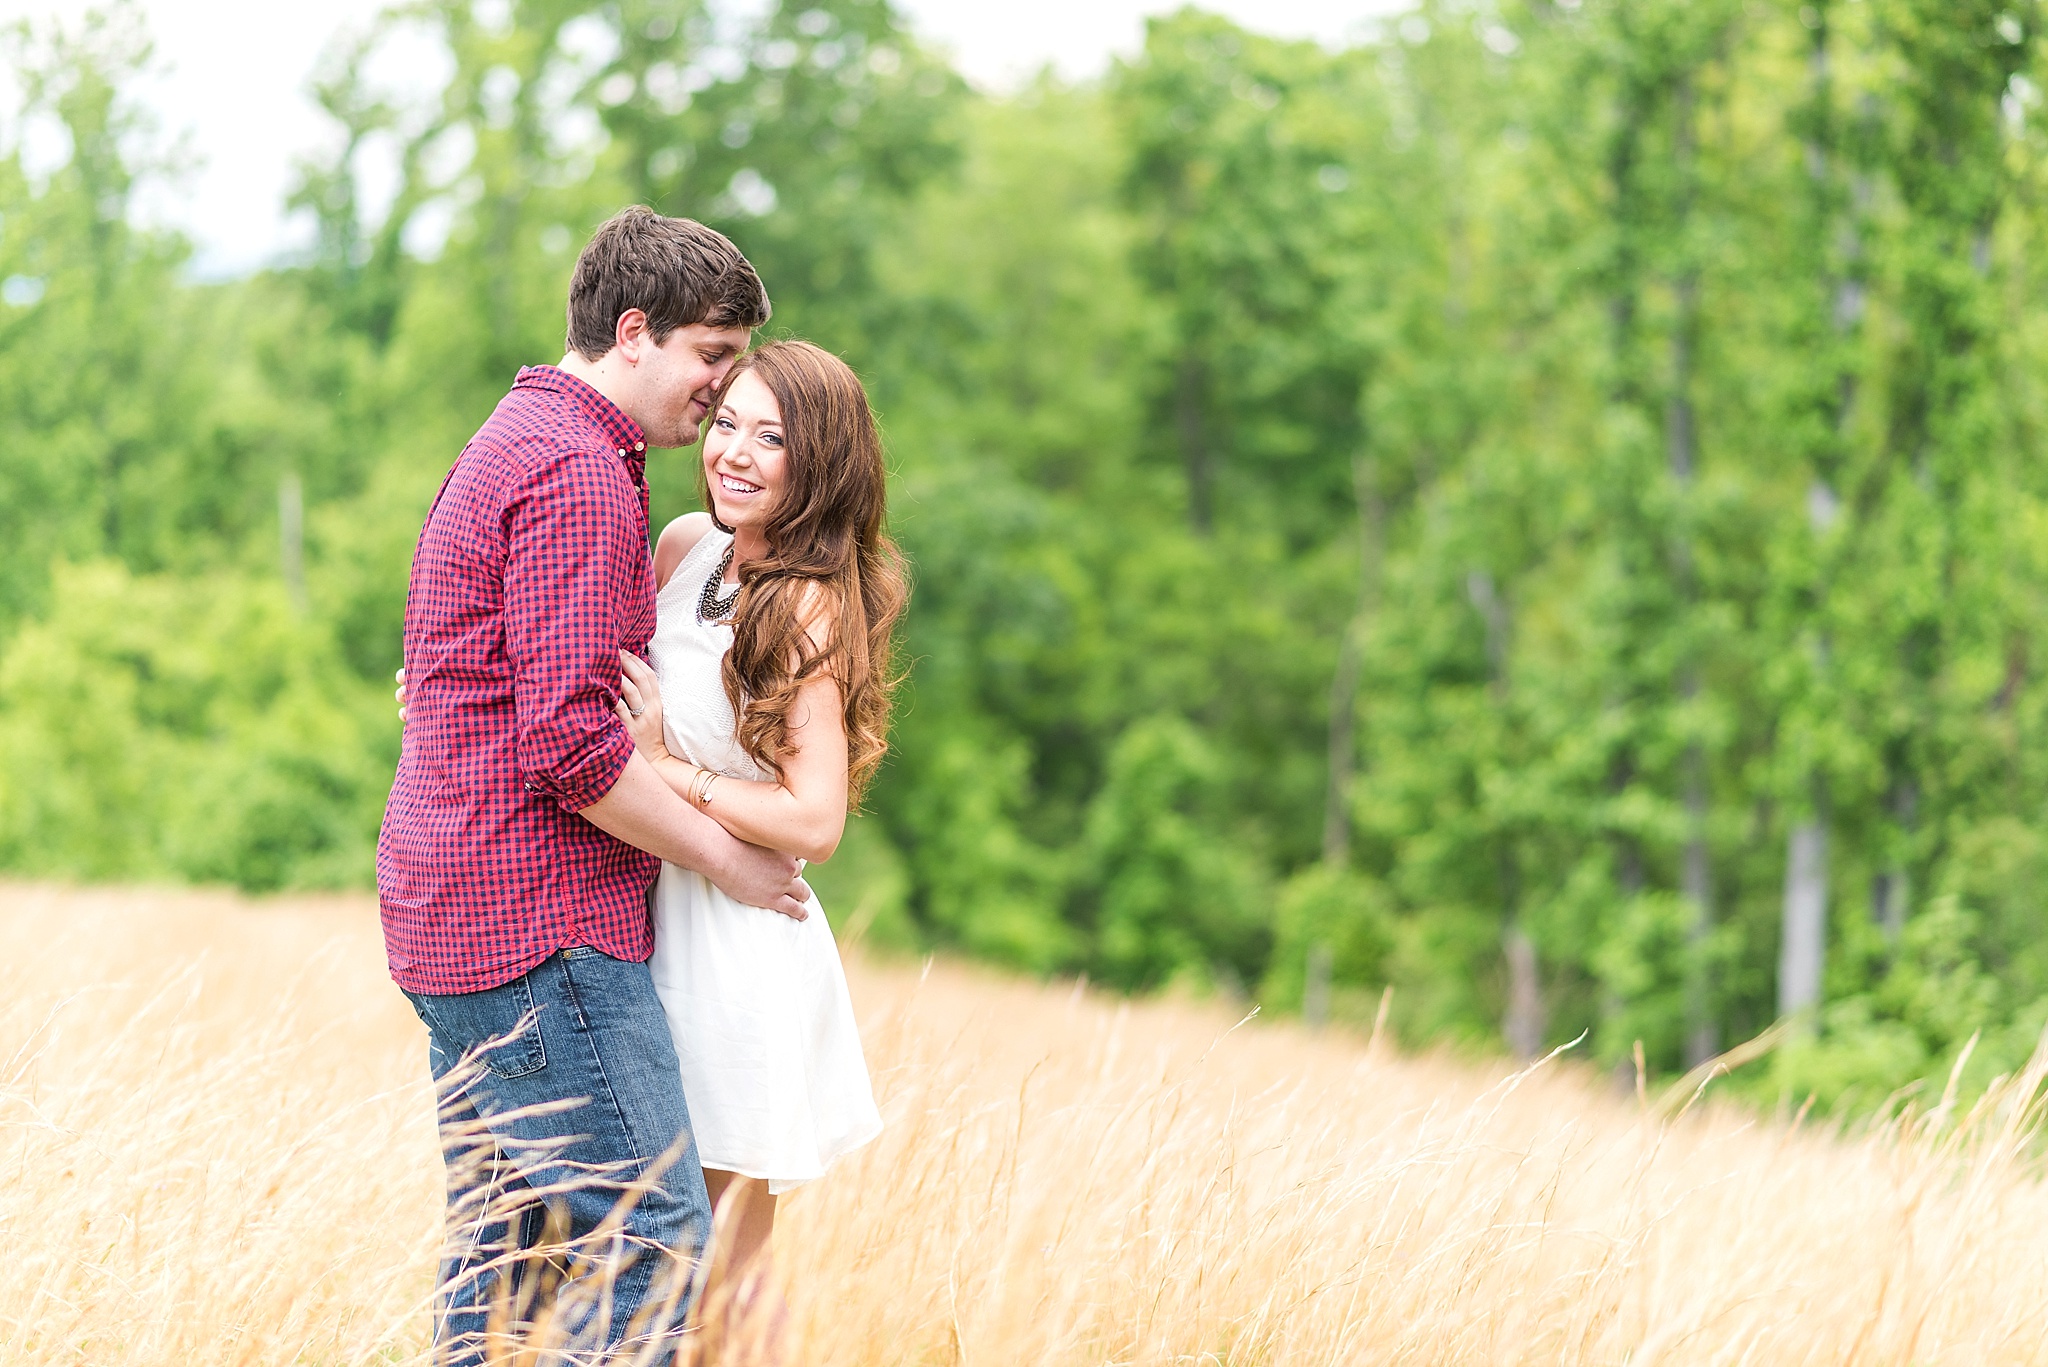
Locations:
531 574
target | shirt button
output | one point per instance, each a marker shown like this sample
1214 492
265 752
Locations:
639 446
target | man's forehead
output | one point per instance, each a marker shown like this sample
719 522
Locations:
733 339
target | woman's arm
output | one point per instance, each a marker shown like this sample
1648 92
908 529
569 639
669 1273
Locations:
804 814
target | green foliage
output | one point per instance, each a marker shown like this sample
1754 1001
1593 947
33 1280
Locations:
196 728
1461 508
1350 915
1167 893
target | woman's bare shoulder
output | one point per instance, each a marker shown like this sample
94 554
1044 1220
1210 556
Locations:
817 612
678 539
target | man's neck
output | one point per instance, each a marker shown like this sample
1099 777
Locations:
603 375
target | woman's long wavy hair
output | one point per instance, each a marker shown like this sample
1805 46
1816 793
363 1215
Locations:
824 536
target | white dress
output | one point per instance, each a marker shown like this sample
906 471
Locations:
772 1067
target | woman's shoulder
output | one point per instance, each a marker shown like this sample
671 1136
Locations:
677 540
817 611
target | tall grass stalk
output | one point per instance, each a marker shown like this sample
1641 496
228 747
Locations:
219 1146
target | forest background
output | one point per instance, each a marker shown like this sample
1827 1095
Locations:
1541 511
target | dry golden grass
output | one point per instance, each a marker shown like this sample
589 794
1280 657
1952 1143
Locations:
217 1144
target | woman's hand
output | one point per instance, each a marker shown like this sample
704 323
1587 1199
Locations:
640 707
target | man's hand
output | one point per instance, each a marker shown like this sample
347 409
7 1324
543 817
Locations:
764 878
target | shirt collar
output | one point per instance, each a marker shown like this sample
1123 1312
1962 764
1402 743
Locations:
621 431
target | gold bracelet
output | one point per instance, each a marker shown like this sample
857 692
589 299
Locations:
705 801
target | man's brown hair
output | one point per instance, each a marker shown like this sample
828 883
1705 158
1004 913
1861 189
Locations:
675 270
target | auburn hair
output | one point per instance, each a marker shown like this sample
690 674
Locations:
829 563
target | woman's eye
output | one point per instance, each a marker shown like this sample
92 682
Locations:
723 424
772 438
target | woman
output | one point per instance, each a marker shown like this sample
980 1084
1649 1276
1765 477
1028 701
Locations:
767 706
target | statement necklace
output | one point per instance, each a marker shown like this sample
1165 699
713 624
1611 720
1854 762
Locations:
710 607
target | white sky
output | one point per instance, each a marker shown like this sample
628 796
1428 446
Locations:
234 74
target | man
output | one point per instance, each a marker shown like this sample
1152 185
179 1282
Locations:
523 831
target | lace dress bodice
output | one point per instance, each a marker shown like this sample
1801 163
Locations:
686 655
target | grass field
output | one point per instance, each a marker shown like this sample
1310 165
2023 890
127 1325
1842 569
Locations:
217 1145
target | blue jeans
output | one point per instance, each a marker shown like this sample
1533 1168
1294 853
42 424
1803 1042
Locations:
613 1172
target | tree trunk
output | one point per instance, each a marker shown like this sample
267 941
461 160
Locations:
1485 598
1803 948
1891 894
1342 742
1525 1023
1343 745
1702 1031
1801 955
1315 986
291 537
1681 454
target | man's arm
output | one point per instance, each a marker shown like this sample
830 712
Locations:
642 812
682 835
573 534
567 548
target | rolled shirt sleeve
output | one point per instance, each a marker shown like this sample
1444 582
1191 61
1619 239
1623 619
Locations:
568 537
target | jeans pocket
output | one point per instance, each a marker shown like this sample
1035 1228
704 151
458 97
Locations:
499 1027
